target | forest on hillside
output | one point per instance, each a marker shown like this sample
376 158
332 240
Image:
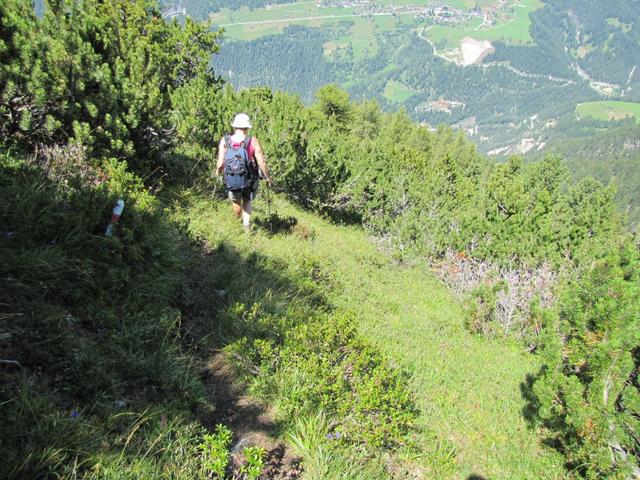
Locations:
100 335
611 156
579 51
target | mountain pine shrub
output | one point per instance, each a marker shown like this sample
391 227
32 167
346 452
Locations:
588 391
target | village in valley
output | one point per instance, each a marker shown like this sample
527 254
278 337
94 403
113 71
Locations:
438 12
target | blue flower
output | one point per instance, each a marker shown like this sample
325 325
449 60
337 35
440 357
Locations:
333 436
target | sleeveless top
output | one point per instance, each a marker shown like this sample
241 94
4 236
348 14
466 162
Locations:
251 149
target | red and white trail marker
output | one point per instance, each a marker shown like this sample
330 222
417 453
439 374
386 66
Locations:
115 216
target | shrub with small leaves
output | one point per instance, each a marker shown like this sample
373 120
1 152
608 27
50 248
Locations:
325 364
215 451
254 462
481 304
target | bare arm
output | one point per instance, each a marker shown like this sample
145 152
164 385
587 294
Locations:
222 148
259 155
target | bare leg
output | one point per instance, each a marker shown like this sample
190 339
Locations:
237 209
247 208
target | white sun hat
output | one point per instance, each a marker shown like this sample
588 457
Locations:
241 120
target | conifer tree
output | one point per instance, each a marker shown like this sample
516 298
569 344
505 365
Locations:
19 109
588 389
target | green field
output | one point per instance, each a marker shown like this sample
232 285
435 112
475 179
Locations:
609 111
397 92
363 39
245 24
515 31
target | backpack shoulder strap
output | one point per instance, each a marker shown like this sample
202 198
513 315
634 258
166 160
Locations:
227 140
246 142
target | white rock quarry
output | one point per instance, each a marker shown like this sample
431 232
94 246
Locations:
474 51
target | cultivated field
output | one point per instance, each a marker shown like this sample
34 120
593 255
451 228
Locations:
508 22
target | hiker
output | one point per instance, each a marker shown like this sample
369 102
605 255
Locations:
237 157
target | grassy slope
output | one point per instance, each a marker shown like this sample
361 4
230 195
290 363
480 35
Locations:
609 110
467 387
397 92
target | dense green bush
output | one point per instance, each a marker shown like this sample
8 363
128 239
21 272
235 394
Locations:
587 392
433 192
324 364
109 75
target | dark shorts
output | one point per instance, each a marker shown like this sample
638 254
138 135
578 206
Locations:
244 195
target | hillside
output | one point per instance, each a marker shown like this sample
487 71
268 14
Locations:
402 306
611 155
468 389
508 73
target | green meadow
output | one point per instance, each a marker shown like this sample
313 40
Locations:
397 92
245 24
467 387
363 39
609 110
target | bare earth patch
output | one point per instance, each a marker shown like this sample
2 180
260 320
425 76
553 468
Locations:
470 52
474 51
249 420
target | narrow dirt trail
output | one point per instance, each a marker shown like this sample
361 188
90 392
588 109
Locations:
250 421
228 402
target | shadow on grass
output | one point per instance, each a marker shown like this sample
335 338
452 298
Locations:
275 224
223 284
532 404
108 341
